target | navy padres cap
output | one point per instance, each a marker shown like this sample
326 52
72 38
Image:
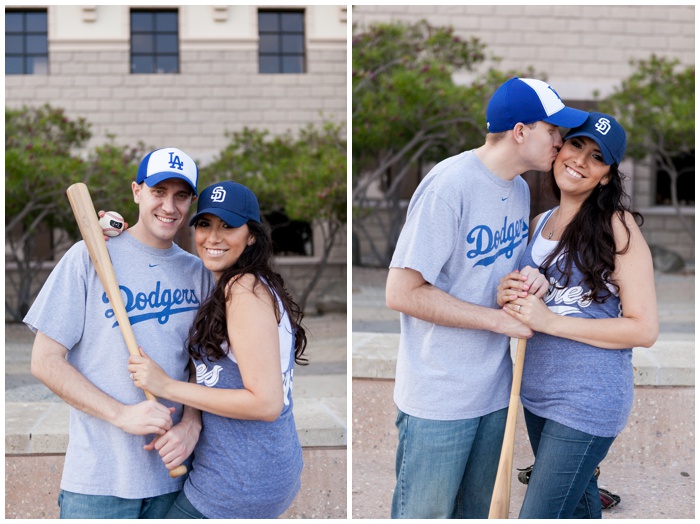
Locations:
608 134
168 162
232 202
528 100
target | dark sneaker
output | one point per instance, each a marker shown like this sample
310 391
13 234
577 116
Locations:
607 500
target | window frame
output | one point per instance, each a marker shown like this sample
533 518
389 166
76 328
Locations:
685 183
25 55
154 33
280 32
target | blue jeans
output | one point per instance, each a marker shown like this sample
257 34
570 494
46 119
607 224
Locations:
446 468
562 484
183 509
78 506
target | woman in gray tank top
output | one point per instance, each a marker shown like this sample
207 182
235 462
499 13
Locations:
577 385
245 340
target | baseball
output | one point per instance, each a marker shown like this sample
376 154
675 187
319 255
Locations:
112 223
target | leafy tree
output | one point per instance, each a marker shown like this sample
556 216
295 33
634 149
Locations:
656 106
406 109
42 158
110 170
303 177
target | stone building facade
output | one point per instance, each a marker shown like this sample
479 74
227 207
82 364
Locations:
219 83
584 52
218 87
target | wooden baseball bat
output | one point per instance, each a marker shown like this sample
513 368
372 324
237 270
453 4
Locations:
500 499
86 217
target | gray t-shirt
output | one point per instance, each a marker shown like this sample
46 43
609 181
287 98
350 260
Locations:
162 290
465 229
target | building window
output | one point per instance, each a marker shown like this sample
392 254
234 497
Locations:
26 42
154 42
685 183
289 237
281 41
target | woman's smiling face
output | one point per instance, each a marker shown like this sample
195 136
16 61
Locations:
218 244
579 166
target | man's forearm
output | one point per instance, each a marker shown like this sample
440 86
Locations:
429 303
192 416
74 389
49 365
409 293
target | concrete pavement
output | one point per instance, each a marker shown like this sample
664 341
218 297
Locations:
651 464
36 426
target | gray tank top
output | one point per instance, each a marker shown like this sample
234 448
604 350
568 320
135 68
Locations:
584 387
246 468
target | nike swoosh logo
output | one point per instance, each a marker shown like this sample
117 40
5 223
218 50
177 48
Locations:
152 265
504 199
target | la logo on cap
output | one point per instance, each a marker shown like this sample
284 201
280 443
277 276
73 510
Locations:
175 162
548 97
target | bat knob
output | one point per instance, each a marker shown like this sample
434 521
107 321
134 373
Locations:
178 471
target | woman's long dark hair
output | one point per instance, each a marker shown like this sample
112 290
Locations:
588 241
209 332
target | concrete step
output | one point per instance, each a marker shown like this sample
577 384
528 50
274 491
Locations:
36 420
670 362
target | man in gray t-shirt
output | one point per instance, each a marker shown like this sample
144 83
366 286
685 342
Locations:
466 227
111 468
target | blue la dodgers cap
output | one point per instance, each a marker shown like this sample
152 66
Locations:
168 162
528 100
